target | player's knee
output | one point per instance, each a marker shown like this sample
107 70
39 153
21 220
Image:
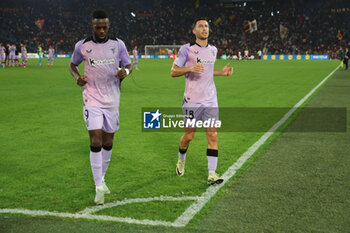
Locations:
212 137
107 140
107 145
96 142
189 137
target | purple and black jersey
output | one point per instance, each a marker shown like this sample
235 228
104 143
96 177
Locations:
100 63
134 53
12 50
2 53
51 53
200 88
24 53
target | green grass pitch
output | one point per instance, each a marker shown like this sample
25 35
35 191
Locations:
45 146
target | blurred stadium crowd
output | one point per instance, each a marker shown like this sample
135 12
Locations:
283 27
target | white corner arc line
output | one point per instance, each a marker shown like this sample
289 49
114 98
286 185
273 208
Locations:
90 210
211 191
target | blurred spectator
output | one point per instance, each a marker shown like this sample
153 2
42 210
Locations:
308 25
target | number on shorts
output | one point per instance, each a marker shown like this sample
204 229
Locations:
189 114
86 114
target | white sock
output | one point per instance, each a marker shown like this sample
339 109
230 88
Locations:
106 158
96 166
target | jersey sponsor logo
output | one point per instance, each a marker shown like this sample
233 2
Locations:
94 62
201 61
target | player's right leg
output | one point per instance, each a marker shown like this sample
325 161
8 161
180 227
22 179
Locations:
184 143
191 111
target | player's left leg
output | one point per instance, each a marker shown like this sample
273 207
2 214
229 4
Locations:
212 156
110 125
107 144
96 163
212 114
51 61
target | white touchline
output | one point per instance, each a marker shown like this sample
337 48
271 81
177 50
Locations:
211 191
193 209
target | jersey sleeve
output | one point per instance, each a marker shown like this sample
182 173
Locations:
182 57
77 57
123 54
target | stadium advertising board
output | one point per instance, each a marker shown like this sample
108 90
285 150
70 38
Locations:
294 57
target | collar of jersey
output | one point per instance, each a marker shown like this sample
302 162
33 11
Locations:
102 42
201 46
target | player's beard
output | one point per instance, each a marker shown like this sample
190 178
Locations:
202 37
98 39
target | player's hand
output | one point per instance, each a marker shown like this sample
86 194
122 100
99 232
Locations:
121 73
82 80
227 71
198 69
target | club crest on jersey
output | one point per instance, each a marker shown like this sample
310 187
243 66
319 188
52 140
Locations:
201 61
94 62
113 49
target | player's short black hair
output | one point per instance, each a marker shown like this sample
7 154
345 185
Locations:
99 14
198 19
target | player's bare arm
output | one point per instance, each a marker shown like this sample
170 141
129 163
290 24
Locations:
177 71
81 79
226 71
125 71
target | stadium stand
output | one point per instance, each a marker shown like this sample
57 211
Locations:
317 27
